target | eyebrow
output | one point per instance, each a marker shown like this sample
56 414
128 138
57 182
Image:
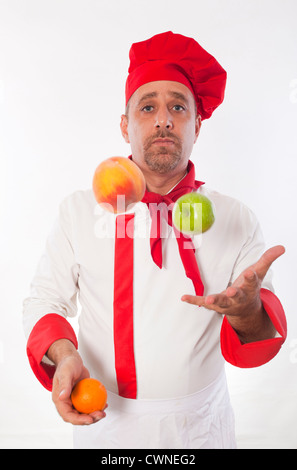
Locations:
147 96
178 96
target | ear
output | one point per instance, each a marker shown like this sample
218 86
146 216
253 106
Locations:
124 128
197 127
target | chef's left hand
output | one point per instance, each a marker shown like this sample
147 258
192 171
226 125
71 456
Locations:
241 301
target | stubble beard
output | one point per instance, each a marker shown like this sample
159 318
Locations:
162 159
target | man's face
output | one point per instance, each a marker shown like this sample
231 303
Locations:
161 127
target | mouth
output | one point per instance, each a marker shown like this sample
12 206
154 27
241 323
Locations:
163 142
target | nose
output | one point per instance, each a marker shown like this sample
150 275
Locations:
164 119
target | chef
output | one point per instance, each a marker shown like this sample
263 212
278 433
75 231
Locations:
160 313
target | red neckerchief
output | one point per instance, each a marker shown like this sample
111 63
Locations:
185 244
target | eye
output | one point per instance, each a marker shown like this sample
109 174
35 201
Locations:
147 108
178 107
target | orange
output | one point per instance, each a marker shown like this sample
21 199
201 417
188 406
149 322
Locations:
89 395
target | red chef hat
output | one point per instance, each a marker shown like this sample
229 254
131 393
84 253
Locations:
169 56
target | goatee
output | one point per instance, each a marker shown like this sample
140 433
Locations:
162 159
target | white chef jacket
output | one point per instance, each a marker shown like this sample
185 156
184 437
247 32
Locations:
176 345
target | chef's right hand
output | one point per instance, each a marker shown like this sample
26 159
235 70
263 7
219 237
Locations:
69 371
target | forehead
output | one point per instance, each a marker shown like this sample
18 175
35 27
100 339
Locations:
161 89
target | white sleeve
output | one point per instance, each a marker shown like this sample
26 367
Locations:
55 284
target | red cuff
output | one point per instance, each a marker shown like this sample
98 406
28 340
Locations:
257 353
47 330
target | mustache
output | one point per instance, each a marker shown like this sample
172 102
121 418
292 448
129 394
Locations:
161 135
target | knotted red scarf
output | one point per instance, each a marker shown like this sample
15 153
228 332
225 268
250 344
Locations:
185 244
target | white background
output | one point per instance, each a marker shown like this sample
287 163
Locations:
63 65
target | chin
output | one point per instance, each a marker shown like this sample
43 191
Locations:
162 162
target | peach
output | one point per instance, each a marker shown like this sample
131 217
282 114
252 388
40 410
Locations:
118 183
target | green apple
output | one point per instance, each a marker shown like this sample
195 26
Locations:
193 214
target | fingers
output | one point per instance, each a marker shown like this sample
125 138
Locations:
244 293
67 374
217 302
97 415
193 299
70 415
200 301
221 303
63 389
62 399
266 260
250 281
